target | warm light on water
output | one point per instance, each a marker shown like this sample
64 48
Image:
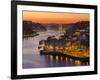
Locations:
33 59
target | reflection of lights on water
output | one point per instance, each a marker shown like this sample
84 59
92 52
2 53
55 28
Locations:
77 62
70 60
57 58
85 63
66 59
51 57
61 58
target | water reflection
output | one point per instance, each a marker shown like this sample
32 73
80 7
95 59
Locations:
60 61
63 60
41 61
32 58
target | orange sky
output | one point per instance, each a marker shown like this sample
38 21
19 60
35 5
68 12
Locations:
54 17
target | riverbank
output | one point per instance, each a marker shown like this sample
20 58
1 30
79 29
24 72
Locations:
82 59
30 35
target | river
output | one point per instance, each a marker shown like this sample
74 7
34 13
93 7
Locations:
31 57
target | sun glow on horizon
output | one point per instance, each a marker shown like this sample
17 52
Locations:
55 17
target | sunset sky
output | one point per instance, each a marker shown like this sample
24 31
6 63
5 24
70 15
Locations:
54 17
